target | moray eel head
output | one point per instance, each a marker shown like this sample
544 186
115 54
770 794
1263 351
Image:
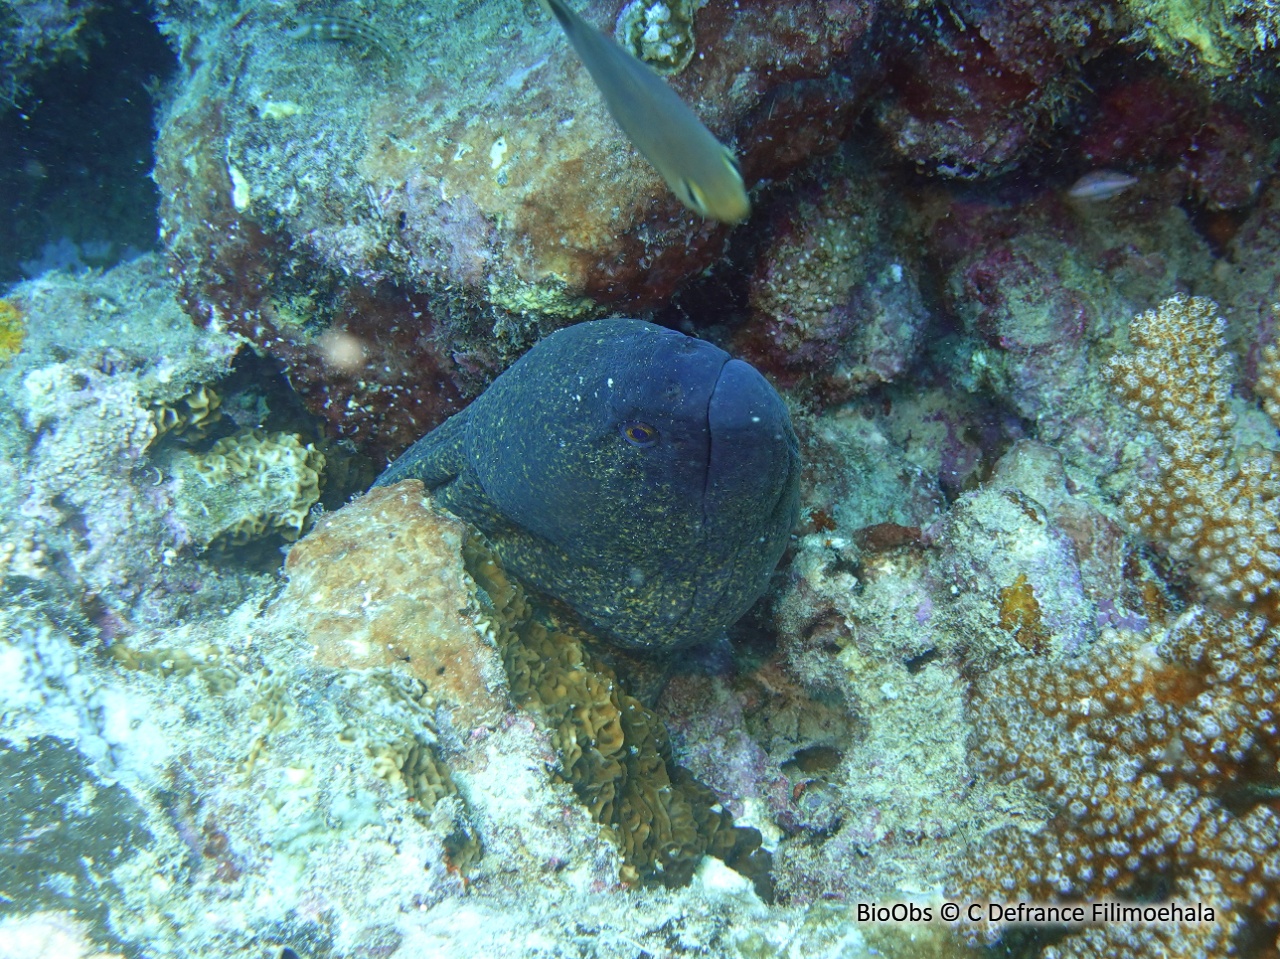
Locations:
641 476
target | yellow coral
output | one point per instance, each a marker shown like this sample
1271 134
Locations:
246 486
191 416
13 329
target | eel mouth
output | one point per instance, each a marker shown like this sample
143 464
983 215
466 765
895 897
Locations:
749 470
709 468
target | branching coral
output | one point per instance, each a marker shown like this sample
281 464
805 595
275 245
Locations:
1158 761
1212 508
1144 757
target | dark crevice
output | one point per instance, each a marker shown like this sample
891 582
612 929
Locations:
76 152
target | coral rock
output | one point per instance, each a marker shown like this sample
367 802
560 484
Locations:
382 582
972 99
833 310
444 209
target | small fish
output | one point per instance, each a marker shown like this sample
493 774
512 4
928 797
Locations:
334 29
1100 185
699 169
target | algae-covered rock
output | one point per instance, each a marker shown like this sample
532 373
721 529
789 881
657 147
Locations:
446 204
382 581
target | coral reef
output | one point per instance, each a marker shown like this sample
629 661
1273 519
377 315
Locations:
445 610
1173 130
613 750
35 34
1248 286
1156 759
1205 39
660 34
245 486
1025 644
1211 506
110 371
972 99
1040 292
47 935
408 215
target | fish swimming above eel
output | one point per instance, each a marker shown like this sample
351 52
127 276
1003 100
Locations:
700 170
642 477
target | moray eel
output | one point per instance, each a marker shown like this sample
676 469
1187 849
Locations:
700 170
640 476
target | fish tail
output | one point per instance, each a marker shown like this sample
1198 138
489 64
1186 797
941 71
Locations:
559 11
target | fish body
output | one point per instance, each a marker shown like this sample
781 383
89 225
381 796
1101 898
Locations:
641 476
1099 185
329 28
699 169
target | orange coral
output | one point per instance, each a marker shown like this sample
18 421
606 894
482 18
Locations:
1145 758
1212 506
413 612
1020 615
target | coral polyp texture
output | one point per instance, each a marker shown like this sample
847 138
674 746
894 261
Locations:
1155 758
1212 505
1145 757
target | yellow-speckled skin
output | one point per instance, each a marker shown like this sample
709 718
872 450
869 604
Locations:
641 476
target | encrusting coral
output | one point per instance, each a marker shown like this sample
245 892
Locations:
13 328
613 750
401 615
1157 759
246 486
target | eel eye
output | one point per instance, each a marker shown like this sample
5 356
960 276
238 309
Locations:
640 434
